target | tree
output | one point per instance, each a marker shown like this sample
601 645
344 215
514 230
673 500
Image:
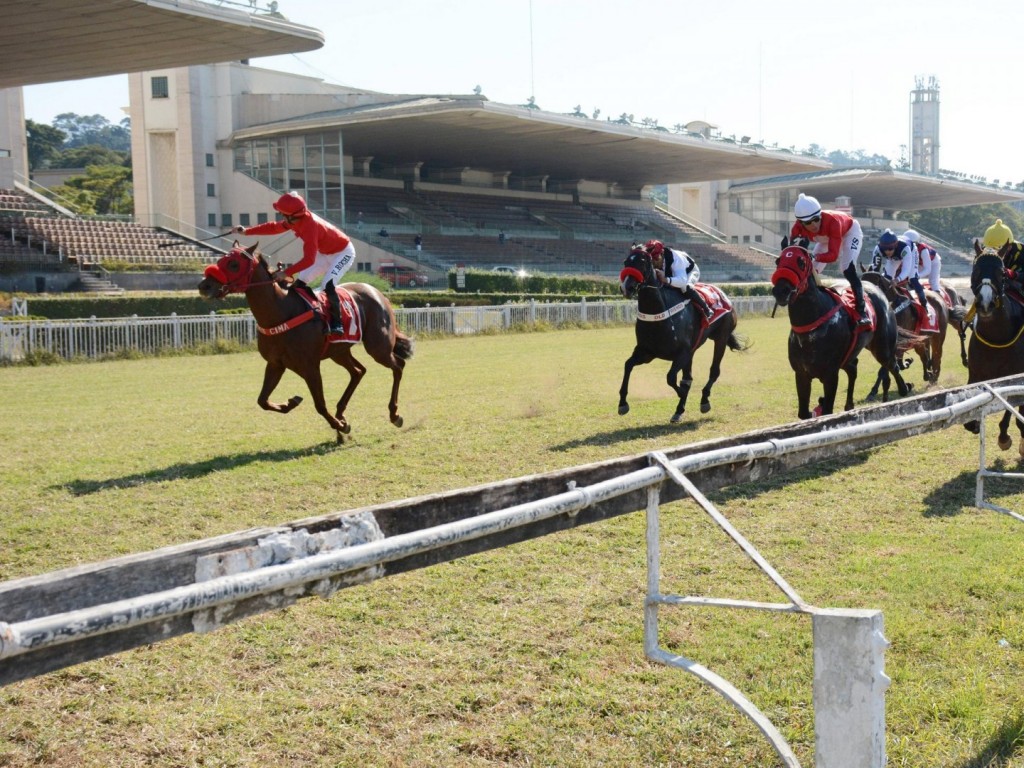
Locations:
108 188
960 226
82 130
44 144
92 154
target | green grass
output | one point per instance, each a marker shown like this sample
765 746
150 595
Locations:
528 656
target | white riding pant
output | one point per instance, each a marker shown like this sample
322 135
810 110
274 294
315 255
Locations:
329 266
848 251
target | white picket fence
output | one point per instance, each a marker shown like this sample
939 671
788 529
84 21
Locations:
93 338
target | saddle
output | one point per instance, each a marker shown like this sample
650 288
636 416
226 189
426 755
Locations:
318 303
847 301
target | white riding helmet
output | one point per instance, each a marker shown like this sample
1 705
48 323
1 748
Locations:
911 236
806 207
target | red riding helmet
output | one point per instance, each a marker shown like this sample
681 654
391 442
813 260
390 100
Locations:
290 204
655 248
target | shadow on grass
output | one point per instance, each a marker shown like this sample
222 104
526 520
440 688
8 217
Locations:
645 432
787 479
190 471
952 497
1007 743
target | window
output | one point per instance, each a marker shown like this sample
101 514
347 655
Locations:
209 159
261 218
225 220
211 219
211 190
364 266
158 88
243 219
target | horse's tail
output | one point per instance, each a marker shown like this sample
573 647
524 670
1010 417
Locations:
958 314
738 342
907 340
403 346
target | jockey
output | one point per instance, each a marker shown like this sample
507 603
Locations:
836 236
929 263
669 261
327 252
996 237
901 263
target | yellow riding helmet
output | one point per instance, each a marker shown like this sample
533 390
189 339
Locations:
997 235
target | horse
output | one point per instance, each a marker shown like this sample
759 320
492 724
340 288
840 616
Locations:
292 333
824 336
927 345
996 348
670 327
957 308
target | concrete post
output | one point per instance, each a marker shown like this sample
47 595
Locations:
849 688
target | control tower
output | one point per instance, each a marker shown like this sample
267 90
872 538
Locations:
924 126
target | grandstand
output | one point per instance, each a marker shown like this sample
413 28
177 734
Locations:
37 237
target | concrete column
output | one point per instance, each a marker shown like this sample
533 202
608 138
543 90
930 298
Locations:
849 688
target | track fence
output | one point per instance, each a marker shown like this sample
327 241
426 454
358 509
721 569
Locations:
97 338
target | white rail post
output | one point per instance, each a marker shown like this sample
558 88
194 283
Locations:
849 688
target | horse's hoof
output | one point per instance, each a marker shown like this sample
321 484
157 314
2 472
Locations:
676 418
705 406
972 427
345 428
398 421
623 409
871 397
1004 443
294 401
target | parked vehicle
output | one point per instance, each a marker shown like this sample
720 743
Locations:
402 277
507 270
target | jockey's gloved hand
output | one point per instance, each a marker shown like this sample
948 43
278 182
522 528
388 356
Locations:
238 230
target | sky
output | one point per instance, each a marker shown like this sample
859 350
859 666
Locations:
838 75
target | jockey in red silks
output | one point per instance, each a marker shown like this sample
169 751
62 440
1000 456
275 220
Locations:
327 252
835 236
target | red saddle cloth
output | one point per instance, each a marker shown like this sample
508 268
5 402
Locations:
350 319
849 302
715 299
927 319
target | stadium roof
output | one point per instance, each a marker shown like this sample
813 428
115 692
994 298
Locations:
47 41
890 190
471 131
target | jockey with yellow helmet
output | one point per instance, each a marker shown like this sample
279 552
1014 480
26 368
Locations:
996 237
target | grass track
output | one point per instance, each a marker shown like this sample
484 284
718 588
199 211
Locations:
522 657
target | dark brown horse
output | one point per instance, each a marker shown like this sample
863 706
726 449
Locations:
292 337
997 343
669 327
927 345
824 338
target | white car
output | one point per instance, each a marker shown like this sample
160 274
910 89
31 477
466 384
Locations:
507 270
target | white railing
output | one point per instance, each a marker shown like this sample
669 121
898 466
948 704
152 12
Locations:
93 338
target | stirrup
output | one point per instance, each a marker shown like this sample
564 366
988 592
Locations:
864 319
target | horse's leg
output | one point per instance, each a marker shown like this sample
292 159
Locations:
271 378
311 375
342 355
683 364
803 396
1004 431
882 374
639 357
962 331
721 344
851 379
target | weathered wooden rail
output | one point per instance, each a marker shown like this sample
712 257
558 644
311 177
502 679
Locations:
69 616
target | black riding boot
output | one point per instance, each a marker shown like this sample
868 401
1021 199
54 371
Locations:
335 304
697 299
850 273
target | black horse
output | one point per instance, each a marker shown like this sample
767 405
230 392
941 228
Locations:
996 348
670 327
825 338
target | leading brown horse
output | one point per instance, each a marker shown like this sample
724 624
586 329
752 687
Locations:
289 342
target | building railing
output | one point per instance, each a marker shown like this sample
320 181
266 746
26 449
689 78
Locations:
96 338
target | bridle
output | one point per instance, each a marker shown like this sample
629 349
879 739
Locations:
794 265
237 260
637 267
993 279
